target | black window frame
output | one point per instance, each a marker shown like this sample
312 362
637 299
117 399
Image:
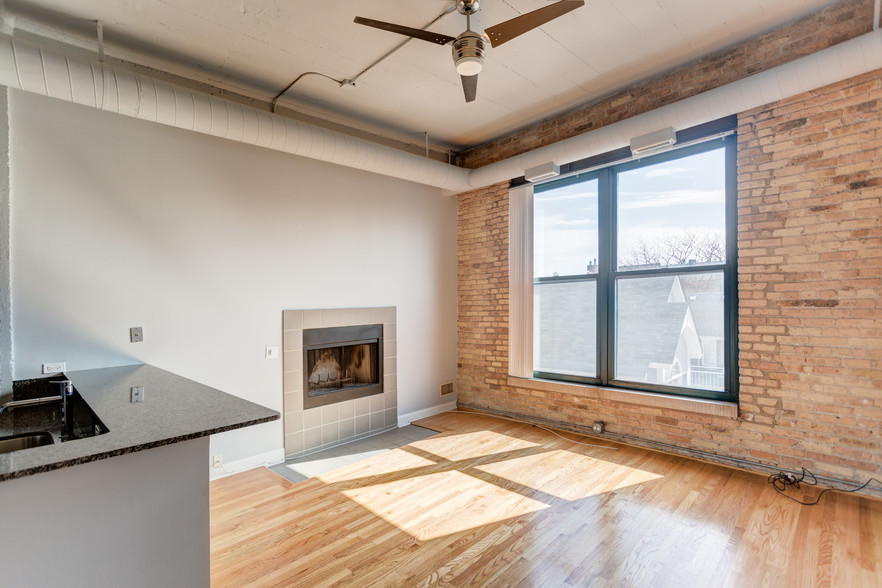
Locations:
608 271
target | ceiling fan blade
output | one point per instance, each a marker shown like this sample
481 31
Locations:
407 31
470 87
508 30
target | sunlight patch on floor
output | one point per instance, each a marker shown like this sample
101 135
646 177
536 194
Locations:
567 475
463 446
434 505
313 468
396 460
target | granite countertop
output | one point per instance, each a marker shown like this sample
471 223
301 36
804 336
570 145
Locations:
174 409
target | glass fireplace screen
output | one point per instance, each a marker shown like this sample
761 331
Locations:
341 363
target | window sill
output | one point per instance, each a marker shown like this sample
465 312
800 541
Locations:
693 405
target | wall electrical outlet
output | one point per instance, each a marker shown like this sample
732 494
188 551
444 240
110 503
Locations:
54 368
218 461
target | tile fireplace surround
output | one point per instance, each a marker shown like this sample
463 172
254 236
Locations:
314 429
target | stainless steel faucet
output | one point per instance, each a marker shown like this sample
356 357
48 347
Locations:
66 389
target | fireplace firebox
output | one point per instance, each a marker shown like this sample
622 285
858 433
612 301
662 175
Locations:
342 363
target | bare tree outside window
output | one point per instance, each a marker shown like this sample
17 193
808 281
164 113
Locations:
679 248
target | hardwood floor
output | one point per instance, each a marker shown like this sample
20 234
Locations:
493 503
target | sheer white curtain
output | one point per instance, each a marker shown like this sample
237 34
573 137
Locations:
520 281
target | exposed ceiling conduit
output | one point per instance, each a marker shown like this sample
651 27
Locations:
27 66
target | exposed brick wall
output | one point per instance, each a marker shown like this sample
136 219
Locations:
810 274
837 23
810 313
482 278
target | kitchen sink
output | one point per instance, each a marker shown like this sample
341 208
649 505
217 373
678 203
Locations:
24 441
36 416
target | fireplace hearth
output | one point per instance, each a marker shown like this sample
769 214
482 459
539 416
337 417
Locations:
341 363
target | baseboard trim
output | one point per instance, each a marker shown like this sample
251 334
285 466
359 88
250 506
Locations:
269 458
697 454
406 419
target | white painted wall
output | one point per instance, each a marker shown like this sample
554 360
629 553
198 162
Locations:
203 242
134 520
5 257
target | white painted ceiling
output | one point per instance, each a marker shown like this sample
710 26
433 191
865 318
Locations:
257 47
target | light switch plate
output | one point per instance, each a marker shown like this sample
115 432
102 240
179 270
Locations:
137 393
136 334
272 353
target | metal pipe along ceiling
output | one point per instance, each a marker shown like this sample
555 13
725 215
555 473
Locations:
28 66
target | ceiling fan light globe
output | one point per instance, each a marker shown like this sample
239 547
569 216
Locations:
469 66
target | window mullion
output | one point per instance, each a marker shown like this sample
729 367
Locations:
606 263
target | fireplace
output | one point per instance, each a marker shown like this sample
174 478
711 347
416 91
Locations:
342 363
319 426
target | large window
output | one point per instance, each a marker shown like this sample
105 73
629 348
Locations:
634 274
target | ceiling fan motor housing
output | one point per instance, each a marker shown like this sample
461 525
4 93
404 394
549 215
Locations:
468 53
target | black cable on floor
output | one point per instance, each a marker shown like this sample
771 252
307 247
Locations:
784 480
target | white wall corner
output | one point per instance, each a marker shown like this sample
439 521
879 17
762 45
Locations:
5 255
269 458
520 277
406 419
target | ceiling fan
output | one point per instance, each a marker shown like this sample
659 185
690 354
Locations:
468 46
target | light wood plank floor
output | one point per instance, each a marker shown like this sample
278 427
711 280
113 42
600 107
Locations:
493 503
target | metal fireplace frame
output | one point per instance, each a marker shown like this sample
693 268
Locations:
329 337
